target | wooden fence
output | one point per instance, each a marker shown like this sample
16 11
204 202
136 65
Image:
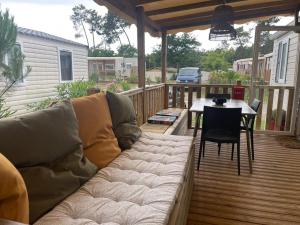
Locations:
274 114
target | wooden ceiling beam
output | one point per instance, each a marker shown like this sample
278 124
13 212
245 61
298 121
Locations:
189 6
126 10
143 2
238 16
243 9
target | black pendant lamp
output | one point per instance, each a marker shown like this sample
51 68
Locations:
222 24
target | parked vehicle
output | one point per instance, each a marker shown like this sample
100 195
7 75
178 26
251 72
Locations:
189 75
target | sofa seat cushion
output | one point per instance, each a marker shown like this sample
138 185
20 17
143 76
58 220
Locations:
138 187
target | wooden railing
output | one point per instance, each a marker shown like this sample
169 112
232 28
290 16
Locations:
153 98
274 114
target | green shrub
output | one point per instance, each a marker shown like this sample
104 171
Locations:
94 77
125 85
74 89
4 110
173 76
133 78
227 77
64 91
112 87
42 104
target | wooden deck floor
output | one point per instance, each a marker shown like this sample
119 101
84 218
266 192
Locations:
271 195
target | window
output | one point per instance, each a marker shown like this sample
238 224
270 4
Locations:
100 67
66 70
9 60
128 66
109 66
282 61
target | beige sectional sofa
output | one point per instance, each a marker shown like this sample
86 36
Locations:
149 184
72 171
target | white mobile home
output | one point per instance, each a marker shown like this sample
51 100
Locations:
53 60
285 56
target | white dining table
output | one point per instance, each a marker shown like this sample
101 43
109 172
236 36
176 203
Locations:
247 112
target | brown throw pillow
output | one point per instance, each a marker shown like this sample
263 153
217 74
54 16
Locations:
46 148
13 194
124 119
95 129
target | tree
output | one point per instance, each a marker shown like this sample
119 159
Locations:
94 21
183 50
101 52
217 60
265 42
127 51
79 19
112 28
12 71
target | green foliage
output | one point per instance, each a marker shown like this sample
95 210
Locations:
127 51
112 87
133 78
101 52
219 59
64 91
125 85
227 77
173 77
74 89
79 18
4 110
94 78
183 50
36 106
266 43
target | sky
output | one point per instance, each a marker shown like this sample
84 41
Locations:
53 17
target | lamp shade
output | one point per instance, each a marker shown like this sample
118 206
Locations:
222 24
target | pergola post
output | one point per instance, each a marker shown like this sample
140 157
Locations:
164 47
141 56
255 63
141 46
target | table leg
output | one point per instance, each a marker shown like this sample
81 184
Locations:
196 124
246 124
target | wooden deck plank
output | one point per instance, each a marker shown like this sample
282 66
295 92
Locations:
269 196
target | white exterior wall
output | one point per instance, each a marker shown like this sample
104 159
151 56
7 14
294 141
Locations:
292 59
42 56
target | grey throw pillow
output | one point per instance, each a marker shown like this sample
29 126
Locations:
123 119
46 149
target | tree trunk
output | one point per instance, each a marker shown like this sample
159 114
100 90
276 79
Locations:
93 35
126 35
85 34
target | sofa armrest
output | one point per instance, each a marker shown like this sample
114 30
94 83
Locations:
10 222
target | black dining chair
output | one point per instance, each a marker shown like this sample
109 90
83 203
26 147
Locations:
221 125
212 95
251 119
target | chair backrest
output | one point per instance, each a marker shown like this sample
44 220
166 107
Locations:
212 95
228 120
255 104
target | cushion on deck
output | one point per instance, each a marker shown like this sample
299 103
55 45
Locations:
139 187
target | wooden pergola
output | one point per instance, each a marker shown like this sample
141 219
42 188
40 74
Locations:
162 17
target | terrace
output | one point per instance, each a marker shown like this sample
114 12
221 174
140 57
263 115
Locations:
270 195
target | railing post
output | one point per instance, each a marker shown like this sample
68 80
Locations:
255 62
166 96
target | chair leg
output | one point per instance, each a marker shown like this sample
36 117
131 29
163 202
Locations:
203 149
232 151
219 148
200 152
238 158
252 144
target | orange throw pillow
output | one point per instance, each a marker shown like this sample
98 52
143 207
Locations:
14 203
95 129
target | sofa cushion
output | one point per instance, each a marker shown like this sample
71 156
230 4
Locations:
141 186
13 194
123 119
46 148
95 129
